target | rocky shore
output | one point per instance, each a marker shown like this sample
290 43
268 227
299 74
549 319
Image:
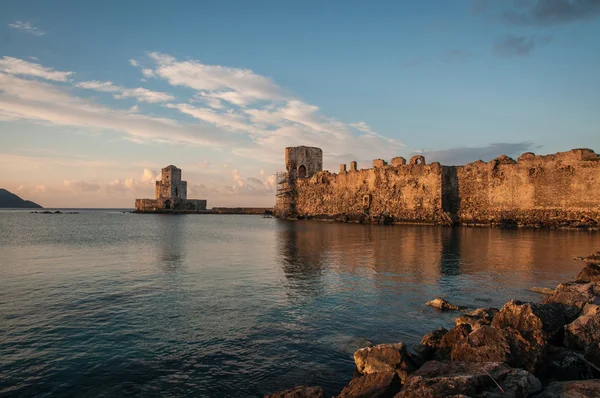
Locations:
524 349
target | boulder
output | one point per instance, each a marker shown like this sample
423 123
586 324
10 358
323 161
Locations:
477 318
571 389
380 384
299 392
442 304
532 320
583 332
430 343
592 355
525 353
456 334
386 358
450 379
589 273
590 309
485 344
565 364
575 295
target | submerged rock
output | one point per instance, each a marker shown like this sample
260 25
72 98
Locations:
543 290
380 384
449 379
442 304
571 389
430 343
583 332
589 273
386 358
299 392
593 258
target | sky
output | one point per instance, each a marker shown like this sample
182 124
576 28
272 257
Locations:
97 97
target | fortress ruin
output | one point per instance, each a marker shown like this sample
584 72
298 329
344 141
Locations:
557 191
171 194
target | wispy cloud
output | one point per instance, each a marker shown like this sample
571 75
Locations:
413 62
27 27
139 93
16 66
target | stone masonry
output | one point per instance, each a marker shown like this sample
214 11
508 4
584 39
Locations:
559 190
171 194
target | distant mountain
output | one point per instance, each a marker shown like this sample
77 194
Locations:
10 200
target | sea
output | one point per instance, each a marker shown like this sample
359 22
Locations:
107 303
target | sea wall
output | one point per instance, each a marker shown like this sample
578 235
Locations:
166 204
559 190
410 193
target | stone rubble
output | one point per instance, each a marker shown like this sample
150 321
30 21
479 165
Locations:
525 349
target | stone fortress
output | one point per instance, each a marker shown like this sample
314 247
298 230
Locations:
171 195
561 190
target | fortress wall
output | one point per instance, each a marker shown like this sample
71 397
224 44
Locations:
411 193
553 190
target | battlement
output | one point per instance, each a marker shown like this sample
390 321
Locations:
557 190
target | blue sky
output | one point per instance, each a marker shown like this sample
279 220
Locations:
96 97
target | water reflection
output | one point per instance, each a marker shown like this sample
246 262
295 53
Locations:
171 242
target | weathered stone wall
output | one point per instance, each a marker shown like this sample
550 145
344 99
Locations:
403 193
303 161
558 190
169 204
170 184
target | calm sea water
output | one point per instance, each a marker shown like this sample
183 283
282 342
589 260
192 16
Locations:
105 303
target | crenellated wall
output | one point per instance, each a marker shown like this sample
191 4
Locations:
559 190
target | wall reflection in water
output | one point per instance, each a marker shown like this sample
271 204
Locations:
171 248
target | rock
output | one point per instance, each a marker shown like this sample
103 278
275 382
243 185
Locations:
456 334
525 353
485 344
571 389
430 343
593 258
583 332
575 295
589 273
380 384
590 309
532 320
448 379
592 355
299 392
542 290
386 358
564 364
477 318
442 304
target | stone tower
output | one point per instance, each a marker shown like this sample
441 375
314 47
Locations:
170 186
303 161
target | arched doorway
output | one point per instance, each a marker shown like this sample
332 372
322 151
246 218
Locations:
167 204
301 171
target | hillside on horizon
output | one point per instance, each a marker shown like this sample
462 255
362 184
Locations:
10 200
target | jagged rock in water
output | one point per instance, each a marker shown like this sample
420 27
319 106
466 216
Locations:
543 290
532 320
565 364
583 332
477 318
593 258
430 343
442 304
473 379
589 273
379 385
449 339
571 389
386 358
299 392
576 296
484 344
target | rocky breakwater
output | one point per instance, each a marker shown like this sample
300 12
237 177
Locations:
524 349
